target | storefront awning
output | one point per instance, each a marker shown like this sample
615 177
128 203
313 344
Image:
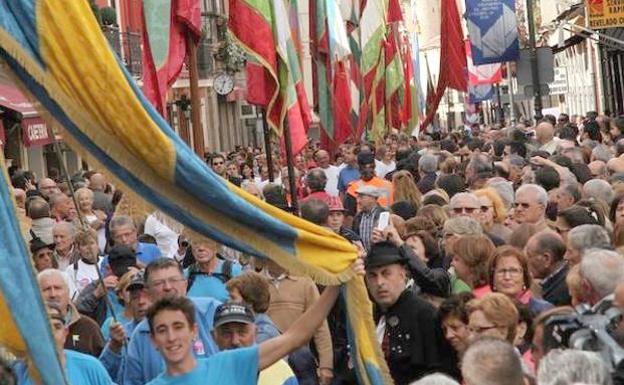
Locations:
34 128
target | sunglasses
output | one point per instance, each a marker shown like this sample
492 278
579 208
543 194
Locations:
523 205
467 210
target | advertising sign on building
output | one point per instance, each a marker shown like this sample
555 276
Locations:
36 132
605 13
560 85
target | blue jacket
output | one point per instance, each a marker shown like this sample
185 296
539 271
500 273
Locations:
265 328
144 362
115 362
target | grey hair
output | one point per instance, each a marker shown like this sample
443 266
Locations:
316 179
464 195
491 361
428 163
599 189
540 192
247 184
121 220
572 190
602 152
603 269
436 379
572 366
505 190
462 226
67 226
585 237
48 273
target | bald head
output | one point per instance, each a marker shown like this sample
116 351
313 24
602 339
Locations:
544 132
598 169
97 182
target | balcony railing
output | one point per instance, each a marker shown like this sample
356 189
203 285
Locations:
127 45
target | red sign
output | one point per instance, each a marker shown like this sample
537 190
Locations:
36 132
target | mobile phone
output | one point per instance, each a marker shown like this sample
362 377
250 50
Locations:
384 219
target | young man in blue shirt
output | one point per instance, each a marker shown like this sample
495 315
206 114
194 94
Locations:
164 279
173 329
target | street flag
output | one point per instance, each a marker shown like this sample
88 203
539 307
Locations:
482 74
111 124
274 78
453 65
24 326
166 25
493 30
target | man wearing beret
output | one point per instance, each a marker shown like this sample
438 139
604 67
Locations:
408 328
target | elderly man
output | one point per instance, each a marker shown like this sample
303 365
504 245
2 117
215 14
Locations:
368 213
42 255
408 328
79 368
164 278
316 180
565 196
427 167
545 252
101 200
235 328
601 271
464 204
124 232
479 169
585 237
598 169
490 361
62 207
530 206
41 225
48 187
544 133
366 162
65 251
599 190
83 333
322 159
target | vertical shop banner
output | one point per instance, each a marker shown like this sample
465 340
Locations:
493 30
605 13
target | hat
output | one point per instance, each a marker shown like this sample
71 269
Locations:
366 158
382 254
233 312
137 282
120 258
37 244
369 190
335 204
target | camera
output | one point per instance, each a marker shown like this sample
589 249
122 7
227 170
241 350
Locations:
590 330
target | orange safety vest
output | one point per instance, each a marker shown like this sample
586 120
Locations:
387 197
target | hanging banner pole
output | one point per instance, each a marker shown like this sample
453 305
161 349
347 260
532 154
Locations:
267 146
294 204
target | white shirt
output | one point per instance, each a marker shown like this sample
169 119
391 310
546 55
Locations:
331 173
80 276
166 238
381 169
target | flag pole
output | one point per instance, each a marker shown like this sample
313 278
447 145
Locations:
198 132
294 204
267 145
81 219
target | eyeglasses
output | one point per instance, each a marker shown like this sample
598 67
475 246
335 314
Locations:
484 209
480 330
523 205
171 281
467 210
512 271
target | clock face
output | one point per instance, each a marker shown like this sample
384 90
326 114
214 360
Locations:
223 84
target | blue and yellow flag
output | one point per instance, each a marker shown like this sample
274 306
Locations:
24 326
59 56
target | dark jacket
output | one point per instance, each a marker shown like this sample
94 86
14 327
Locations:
416 345
427 183
431 281
555 289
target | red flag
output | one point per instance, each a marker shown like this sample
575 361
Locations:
453 64
161 66
394 12
342 104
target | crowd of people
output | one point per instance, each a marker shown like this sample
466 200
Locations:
472 244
